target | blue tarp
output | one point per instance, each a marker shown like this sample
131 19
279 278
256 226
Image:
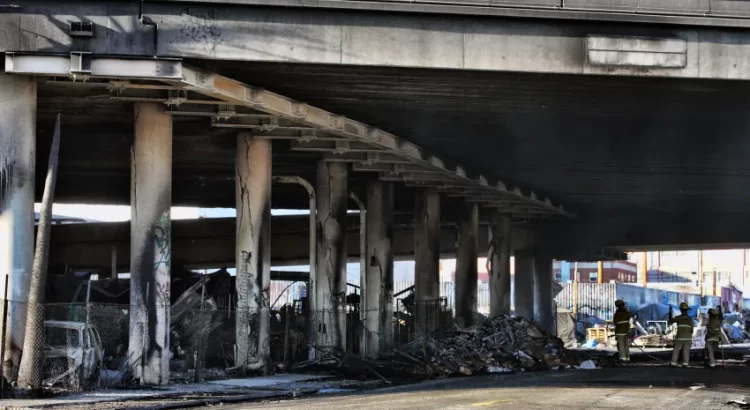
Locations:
734 333
660 311
585 323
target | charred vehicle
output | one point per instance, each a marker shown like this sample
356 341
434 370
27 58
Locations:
73 354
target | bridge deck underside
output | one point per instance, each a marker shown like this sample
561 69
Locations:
600 144
638 149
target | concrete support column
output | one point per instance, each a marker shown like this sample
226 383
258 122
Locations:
379 283
427 259
466 265
330 284
499 256
150 244
523 289
543 306
17 162
253 252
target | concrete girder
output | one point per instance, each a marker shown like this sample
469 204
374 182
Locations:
386 167
356 136
485 190
206 243
718 13
337 146
366 158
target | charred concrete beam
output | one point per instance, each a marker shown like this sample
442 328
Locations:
211 243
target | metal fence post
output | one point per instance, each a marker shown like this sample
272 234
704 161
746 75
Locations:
4 333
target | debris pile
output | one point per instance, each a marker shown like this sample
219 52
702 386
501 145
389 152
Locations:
502 344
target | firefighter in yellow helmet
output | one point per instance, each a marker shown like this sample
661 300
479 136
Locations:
622 331
683 341
713 334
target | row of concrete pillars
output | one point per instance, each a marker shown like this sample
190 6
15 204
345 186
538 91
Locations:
151 181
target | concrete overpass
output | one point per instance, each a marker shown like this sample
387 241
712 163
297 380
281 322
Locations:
581 127
211 242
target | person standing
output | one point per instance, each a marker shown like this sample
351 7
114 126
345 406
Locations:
622 330
683 340
713 333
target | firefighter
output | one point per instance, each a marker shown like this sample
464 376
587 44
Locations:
683 341
622 330
713 333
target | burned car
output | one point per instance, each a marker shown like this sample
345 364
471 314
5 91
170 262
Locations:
73 354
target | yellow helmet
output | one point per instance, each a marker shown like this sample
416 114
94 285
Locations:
619 302
684 306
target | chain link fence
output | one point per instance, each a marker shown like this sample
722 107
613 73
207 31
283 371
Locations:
79 345
86 345
415 318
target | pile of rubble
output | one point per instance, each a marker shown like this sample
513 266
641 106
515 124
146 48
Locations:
502 344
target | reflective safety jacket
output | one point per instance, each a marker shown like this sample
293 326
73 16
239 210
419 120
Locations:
684 328
713 329
622 322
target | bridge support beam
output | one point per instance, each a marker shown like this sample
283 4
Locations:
253 252
466 265
499 258
379 283
17 163
543 291
427 259
330 284
150 244
523 289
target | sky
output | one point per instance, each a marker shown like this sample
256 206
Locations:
121 213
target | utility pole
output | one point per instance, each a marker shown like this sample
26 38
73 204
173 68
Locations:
575 290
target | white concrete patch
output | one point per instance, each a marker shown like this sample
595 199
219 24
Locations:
636 51
269 381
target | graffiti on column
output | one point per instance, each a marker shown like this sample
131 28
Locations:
162 258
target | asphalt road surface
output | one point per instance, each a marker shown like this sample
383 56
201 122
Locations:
624 388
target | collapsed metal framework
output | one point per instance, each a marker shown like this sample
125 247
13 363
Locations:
189 91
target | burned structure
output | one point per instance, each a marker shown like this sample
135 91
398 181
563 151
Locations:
265 127
459 136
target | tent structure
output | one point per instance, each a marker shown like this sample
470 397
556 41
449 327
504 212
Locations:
566 326
660 311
